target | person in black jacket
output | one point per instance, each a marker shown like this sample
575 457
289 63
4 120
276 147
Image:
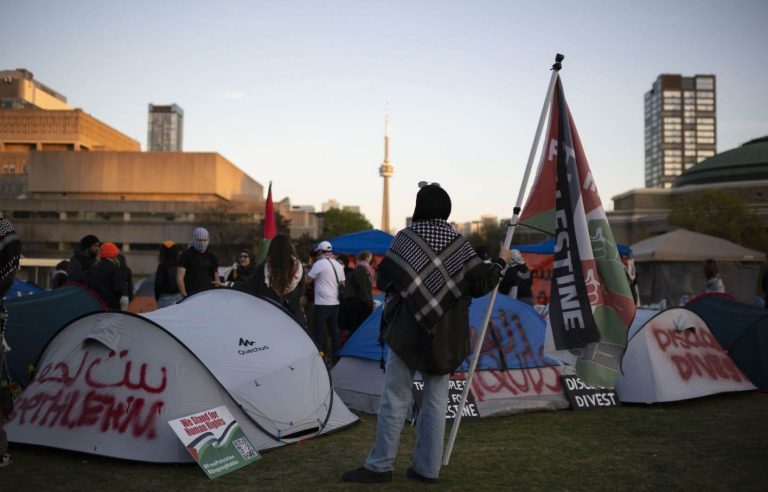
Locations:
429 273
243 269
517 279
358 294
105 277
280 277
83 259
166 284
198 267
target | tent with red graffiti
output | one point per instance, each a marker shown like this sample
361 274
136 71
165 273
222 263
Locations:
513 374
674 356
108 383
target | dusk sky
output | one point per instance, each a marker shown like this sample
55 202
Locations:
296 92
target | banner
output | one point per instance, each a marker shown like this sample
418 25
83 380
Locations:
215 441
591 306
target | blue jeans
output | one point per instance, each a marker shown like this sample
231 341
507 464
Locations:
430 424
323 316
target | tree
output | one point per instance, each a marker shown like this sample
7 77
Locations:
721 214
338 222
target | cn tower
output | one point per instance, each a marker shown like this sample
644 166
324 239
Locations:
386 170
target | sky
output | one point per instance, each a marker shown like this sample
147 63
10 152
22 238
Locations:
296 92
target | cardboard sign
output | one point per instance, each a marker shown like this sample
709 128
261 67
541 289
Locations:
215 441
456 388
584 397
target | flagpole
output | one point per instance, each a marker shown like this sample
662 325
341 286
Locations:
507 242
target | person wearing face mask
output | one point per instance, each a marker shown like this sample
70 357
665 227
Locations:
197 266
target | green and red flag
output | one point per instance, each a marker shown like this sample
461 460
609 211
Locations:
270 225
591 306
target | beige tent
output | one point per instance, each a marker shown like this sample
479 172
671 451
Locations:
669 266
683 245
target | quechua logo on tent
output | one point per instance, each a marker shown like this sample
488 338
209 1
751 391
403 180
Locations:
250 343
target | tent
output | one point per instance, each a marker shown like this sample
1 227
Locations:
513 374
22 288
373 240
109 382
144 296
539 258
674 356
34 320
741 329
670 266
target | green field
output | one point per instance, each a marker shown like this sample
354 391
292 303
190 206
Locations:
713 443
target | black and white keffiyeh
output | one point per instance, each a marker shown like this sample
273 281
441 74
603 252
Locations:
428 262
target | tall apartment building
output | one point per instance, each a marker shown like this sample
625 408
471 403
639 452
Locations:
680 126
165 128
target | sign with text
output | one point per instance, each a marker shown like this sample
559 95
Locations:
584 397
455 390
215 441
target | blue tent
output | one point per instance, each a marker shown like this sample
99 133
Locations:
548 248
21 288
33 320
513 341
741 329
373 240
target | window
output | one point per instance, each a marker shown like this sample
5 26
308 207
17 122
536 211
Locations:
705 83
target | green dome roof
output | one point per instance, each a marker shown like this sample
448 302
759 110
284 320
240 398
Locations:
746 163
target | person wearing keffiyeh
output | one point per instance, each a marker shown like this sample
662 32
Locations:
430 273
10 254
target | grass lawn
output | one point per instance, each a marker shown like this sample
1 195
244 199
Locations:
713 443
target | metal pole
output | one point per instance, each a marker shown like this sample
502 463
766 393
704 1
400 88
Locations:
507 241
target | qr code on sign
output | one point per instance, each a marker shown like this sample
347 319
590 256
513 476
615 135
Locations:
245 448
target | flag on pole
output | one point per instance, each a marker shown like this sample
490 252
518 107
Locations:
270 225
591 306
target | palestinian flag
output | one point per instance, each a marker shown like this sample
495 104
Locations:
591 306
270 225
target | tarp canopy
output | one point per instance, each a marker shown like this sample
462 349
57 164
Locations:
670 266
741 329
22 288
684 245
548 248
513 375
109 383
674 356
373 240
34 320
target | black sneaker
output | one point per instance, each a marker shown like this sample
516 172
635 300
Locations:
411 473
364 475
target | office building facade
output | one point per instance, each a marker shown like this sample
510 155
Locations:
680 126
165 128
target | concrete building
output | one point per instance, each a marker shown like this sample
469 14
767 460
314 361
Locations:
680 126
20 90
165 128
642 213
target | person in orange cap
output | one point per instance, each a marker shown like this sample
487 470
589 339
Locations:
105 277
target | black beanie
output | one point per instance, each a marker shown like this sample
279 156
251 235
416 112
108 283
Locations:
88 241
432 202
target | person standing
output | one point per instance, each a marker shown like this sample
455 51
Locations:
83 259
327 275
243 269
714 282
358 293
429 274
198 267
166 284
10 254
517 279
105 277
280 277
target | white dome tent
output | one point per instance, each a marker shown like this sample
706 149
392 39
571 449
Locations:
109 382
